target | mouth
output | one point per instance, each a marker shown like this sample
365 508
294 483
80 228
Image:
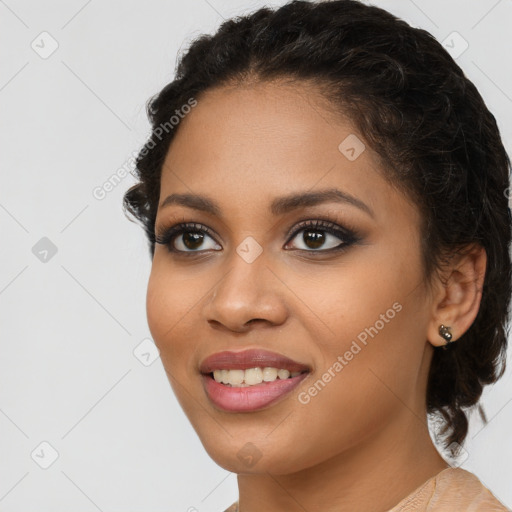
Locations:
250 380
249 397
238 378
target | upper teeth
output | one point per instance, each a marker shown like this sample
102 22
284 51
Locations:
251 376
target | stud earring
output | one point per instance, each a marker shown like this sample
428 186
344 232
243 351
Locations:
446 334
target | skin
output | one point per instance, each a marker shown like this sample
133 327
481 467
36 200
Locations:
242 147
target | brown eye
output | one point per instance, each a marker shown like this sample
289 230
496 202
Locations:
192 240
322 236
316 239
187 238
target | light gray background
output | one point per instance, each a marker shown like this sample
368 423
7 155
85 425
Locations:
70 324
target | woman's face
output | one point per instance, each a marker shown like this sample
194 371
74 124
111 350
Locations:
351 308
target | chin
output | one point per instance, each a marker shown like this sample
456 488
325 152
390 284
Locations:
251 455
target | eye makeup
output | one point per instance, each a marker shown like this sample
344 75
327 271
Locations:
314 230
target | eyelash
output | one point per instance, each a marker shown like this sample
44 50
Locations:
347 234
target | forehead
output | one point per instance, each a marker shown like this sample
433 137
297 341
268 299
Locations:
259 124
246 145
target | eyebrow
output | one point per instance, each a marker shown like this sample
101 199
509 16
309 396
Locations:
279 205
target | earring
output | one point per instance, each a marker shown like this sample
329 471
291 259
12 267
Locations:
446 334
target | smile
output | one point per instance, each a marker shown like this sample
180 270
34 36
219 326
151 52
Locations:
249 397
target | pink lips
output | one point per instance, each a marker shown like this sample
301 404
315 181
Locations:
251 358
251 398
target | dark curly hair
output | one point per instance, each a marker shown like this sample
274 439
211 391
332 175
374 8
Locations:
427 123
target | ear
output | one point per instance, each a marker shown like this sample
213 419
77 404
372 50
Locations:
459 292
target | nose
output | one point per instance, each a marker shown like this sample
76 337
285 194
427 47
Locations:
247 294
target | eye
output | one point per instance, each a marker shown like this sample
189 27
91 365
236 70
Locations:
318 234
186 237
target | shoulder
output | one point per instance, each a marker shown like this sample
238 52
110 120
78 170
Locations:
458 489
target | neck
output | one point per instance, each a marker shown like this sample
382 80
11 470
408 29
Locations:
374 475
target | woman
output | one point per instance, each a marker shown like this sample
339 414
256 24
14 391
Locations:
325 197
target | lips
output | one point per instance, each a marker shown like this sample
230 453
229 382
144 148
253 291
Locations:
252 398
252 358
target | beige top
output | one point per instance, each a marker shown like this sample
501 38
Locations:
451 490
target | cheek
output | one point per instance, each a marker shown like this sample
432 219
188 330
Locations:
342 303
156 306
169 310
373 348
167 306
